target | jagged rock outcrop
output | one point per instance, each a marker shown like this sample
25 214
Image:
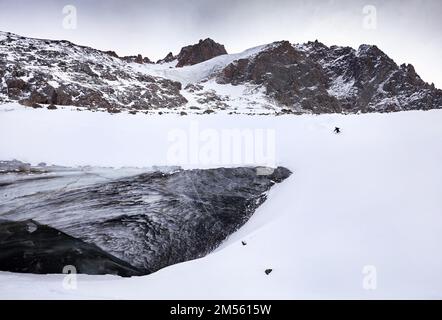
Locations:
314 77
112 53
168 58
204 50
136 59
272 79
288 76
368 80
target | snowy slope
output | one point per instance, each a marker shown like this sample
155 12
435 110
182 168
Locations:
198 72
367 197
43 72
275 78
62 73
204 93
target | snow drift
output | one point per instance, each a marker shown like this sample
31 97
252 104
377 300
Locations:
367 197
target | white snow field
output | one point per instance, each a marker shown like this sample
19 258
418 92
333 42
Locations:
371 196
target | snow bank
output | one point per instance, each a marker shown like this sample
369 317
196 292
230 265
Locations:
367 197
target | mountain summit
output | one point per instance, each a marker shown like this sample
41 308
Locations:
280 77
202 51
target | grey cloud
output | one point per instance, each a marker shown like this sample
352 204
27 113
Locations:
407 30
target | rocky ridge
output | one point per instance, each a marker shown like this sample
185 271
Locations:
319 79
37 72
280 77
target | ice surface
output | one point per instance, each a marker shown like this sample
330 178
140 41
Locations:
369 196
149 220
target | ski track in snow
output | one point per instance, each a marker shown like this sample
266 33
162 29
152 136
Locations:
369 196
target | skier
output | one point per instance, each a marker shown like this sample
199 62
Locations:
337 130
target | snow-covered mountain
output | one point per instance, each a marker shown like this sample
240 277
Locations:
280 77
368 197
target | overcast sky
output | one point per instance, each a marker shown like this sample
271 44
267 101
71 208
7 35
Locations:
407 30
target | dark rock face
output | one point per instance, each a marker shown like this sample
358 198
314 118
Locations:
49 95
146 60
168 58
282 77
202 51
112 53
137 59
314 77
150 220
288 75
29 247
368 80
36 71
